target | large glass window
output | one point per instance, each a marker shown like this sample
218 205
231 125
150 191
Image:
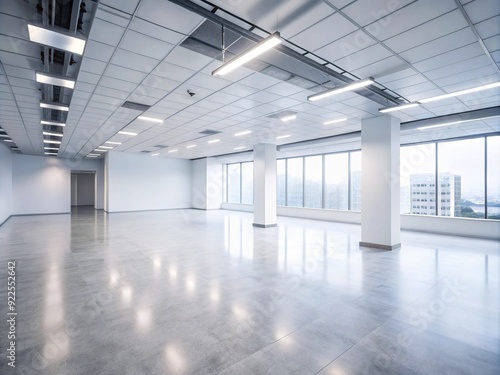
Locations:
493 157
295 181
233 183
356 181
247 183
336 181
417 179
281 182
461 178
313 195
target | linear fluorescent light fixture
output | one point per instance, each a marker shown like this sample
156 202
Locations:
454 122
339 90
190 146
50 141
172 151
155 154
214 141
398 107
56 106
93 155
53 123
51 153
288 118
106 147
55 80
242 133
264 45
97 150
4 136
283 136
113 143
8 140
239 148
335 121
461 92
56 39
150 119
51 148
128 133
52 134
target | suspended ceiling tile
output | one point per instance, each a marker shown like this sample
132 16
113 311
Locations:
145 45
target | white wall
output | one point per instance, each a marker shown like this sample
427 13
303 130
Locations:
42 185
5 183
199 184
206 184
137 182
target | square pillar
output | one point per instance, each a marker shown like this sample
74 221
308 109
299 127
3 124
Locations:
380 215
264 185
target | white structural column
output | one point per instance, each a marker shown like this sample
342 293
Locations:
264 185
380 216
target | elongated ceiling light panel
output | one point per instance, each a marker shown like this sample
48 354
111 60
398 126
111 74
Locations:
56 106
53 123
264 45
398 107
56 39
461 92
339 90
55 80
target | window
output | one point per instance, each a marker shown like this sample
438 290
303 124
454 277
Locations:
313 195
295 182
417 175
355 181
233 183
493 178
461 178
281 182
247 183
336 181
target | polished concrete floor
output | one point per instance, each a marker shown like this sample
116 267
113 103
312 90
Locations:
194 292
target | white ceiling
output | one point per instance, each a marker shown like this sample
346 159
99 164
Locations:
417 49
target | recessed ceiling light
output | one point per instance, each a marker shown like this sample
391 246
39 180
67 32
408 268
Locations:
150 119
56 80
190 146
128 133
113 143
335 121
288 118
56 39
155 154
51 141
97 150
398 107
171 151
56 106
106 147
51 153
283 136
243 133
214 141
338 90
93 155
461 92
51 148
239 148
52 123
8 140
261 47
4 136
52 134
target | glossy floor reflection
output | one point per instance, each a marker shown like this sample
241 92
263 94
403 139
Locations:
194 292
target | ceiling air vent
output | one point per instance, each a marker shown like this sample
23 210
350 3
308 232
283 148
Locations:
136 106
209 132
160 146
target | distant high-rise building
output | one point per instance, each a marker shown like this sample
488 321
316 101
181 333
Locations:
423 194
